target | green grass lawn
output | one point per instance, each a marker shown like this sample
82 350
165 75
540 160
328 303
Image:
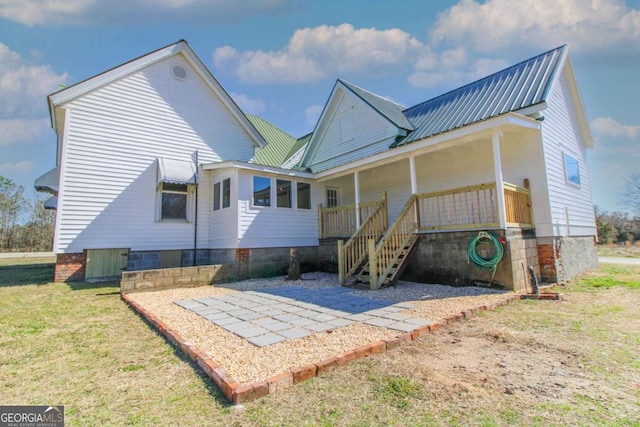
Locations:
80 346
619 251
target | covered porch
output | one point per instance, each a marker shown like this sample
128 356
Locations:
482 181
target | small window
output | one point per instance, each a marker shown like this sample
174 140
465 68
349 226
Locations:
304 195
261 191
571 169
332 197
174 202
346 127
216 196
226 193
284 193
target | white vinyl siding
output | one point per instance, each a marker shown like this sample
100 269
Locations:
114 135
571 205
260 227
223 223
352 131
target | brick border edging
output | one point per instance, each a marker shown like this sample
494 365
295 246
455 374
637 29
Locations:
237 394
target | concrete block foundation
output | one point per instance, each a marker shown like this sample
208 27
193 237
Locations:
443 258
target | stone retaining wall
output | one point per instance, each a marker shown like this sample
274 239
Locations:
181 277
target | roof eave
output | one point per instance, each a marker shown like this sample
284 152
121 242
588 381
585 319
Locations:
257 168
398 125
494 123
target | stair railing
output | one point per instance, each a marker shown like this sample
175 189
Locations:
383 255
353 253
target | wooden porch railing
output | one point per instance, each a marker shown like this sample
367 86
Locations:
474 207
340 221
517 202
383 256
352 254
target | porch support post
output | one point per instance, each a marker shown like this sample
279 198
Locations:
414 186
412 171
356 183
497 167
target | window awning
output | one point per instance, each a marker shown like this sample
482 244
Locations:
176 172
48 182
51 203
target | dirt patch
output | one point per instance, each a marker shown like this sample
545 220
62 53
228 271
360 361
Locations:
568 362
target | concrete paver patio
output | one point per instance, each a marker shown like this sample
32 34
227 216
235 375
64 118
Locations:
285 313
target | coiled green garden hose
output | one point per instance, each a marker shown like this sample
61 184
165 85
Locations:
484 263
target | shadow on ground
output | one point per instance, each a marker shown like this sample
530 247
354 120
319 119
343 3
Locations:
22 275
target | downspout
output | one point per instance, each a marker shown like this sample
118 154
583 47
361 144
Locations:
195 220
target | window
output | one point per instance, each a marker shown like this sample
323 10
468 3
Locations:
261 191
571 169
304 195
222 194
226 193
216 196
332 197
346 127
174 202
284 193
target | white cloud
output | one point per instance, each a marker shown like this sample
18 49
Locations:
316 53
22 167
96 12
312 114
608 127
24 87
248 104
589 26
14 131
452 68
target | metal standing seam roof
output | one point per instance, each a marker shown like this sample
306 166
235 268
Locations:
279 143
389 109
512 89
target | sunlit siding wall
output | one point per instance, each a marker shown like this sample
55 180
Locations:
112 138
371 134
262 227
223 228
571 206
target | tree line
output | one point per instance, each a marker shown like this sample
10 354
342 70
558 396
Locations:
622 227
617 227
25 225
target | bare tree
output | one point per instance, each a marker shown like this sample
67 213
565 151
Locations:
37 233
631 195
12 205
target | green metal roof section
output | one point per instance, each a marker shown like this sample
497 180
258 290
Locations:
299 144
389 109
279 143
523 85
295 154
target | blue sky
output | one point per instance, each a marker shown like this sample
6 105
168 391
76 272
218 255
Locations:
280 58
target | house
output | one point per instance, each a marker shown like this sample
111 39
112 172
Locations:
158 167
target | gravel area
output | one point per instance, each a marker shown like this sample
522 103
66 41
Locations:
247 363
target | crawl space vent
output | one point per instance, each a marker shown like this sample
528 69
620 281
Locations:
179 72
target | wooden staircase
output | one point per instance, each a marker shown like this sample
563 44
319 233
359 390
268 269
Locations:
393 273
382 259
